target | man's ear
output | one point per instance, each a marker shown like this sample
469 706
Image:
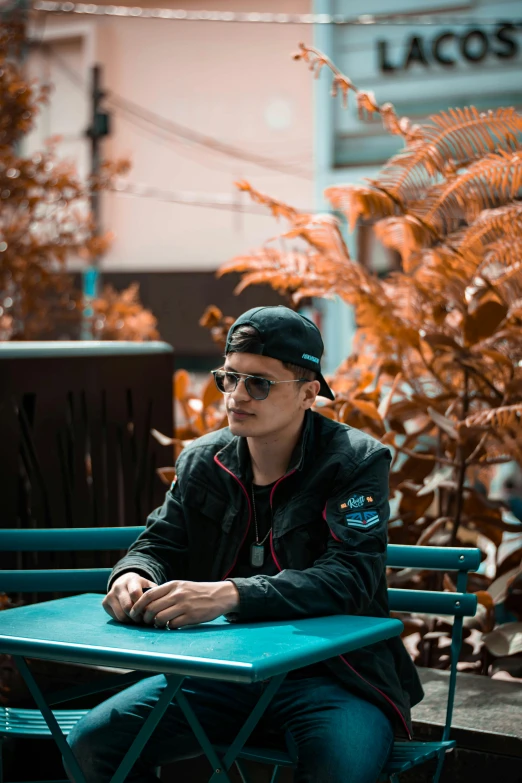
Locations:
311 390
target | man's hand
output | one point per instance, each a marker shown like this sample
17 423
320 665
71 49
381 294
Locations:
124 593
180 603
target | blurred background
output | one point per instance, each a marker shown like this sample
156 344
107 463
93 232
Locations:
118 207
197 105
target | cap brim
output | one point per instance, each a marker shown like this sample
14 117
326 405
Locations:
325 390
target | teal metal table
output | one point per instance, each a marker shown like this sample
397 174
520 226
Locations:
78 630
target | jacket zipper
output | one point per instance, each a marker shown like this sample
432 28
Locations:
249 514
272 550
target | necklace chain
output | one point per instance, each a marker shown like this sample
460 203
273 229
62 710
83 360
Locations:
258 542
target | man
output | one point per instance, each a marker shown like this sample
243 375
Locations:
281 515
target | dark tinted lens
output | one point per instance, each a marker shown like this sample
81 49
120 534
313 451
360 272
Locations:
224 383
258 388
230 381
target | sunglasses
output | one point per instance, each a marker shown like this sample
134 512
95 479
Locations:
257 387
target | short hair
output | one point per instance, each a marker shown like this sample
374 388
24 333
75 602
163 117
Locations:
247 339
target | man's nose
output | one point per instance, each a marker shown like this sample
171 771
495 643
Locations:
240 392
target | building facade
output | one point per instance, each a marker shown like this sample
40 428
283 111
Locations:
195 106
199 105
432 56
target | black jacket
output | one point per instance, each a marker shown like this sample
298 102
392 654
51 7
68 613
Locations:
330 514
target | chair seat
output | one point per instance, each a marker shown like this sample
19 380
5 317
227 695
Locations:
406 755
16 722
264 755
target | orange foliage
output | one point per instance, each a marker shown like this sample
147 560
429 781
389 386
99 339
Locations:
436 367
45 218
120 316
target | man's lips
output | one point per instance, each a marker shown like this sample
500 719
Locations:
237 412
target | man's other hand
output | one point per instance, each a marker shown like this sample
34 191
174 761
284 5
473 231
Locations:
180 603
125 591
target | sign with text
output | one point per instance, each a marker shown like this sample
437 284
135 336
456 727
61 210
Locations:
432 61
450 46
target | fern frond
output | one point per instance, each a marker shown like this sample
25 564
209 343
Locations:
277 208
446 261
503 418
465 134
284 271
489 182
241 264
322 233
362 201
490 224
502 253
500 447
289 271
310 292
404 233
283 282
458 135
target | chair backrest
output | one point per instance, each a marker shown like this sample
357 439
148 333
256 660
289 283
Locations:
67 580
459 604
453 559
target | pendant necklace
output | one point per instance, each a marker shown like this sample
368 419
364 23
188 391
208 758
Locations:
257 550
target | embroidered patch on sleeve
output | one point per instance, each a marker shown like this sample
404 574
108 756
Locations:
362 519
358 501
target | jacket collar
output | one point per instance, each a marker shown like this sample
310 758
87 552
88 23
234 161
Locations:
235 456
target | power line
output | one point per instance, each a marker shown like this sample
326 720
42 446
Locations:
182 131
195 137
255 17
192 198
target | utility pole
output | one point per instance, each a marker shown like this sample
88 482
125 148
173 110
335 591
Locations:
17 12
98 129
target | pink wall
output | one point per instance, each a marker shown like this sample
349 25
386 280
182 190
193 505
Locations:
234 82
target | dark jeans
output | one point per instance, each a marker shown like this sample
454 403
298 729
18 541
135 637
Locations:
339 738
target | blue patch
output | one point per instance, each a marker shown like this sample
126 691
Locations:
363 519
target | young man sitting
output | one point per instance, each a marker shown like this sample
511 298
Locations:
281 515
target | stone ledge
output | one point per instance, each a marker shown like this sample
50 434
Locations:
487 715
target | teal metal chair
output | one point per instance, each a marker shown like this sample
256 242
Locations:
405 755
408 754
29 723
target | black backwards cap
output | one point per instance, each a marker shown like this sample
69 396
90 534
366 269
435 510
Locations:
287 336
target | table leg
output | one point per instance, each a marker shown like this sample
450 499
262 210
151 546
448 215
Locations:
172 690
172 686
49 718
221 767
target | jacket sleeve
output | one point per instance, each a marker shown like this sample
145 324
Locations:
159 553
345 578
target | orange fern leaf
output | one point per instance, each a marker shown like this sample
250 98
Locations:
316 61
459 135
502 418
502 261
367 201
488 225
405 233
489 182
277 208
321 232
